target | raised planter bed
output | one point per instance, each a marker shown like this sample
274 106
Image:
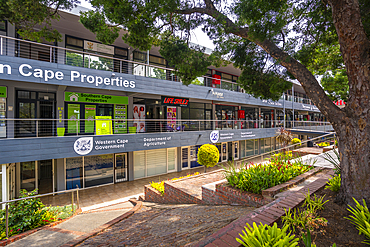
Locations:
217 192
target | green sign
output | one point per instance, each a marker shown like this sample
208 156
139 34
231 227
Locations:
120 116
103 127
73 116
90 113
95 98
2 92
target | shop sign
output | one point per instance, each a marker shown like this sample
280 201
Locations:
104 126
95 98
247 134
93 46
85 145
174 101
2 92
46 75
217 94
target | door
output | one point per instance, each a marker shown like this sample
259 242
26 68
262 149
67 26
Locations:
46 127
28 175
230 151
45 176
185 158
12 180
236 150
171 159
26 110
120 168
224 151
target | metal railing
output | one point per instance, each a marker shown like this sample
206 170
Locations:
10 46
309 125
29 128
331 137
38 196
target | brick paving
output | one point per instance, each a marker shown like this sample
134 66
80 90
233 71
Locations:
168 225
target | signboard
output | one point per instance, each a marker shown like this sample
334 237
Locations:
103 127
120 113
95 98
174 101
2 92
171 118
90 113
93 46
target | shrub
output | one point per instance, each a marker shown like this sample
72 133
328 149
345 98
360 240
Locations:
265 235
334 160
334 183
208 155
296 141
159 186
361 219
284 136
256 178
323 144
25 215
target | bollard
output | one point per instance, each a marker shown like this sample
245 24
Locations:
6 220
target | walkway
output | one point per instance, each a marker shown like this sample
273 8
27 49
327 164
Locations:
73 228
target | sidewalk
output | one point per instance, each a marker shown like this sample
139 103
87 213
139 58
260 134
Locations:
75 227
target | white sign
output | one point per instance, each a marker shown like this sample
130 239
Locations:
217 94
46 75
83 146
247 134
214 136
93 46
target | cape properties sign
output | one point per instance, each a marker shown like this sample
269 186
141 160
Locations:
95 98
27 70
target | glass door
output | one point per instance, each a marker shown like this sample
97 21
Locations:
121 168
224 151
235 150
45 176
26 110
185 158
28 175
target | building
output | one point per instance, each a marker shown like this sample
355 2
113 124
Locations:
80 113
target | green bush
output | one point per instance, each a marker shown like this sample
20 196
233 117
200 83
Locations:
25 215
296 141
265 235
361 219
334 183
29 214
255 178
208 155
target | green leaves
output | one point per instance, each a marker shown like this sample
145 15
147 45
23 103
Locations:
189 63
265 235
27 15
361 219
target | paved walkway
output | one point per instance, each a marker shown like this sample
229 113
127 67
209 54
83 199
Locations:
73 228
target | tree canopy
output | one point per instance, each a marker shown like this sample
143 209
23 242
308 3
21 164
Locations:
33 18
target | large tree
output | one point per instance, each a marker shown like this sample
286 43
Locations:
270 41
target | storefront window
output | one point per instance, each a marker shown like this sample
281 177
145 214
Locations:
226 117
249 147
74 173
196 111
251 117
98 170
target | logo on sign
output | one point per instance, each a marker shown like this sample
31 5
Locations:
214 136
83 145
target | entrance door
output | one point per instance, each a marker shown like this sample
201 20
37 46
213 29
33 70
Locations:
224 151
236 150
26 127
28 175
121 168
185 158
230 151
46 127
45 176
155 112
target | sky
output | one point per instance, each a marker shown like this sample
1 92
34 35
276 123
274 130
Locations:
197 36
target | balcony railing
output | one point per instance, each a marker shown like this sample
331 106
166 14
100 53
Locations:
10 46
29 128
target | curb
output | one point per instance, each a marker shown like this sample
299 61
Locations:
29 232
78 240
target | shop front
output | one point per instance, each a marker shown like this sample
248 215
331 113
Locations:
83 110
226 117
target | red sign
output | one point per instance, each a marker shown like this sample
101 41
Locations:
174 101
241 114
216 80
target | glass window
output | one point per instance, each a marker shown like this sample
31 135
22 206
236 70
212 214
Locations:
157 60
98 170
249 147
242 149
27 174
75 42
74 173
120 52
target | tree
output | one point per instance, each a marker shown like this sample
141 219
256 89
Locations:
270 41
33 17
208 156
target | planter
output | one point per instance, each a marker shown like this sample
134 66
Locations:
61 131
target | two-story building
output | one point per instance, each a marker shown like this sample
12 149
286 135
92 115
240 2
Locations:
80 113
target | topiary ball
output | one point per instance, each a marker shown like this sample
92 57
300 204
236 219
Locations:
208 155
